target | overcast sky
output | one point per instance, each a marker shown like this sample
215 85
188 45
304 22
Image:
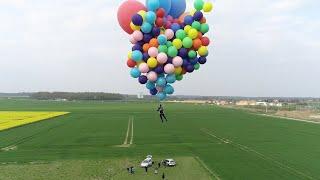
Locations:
260 48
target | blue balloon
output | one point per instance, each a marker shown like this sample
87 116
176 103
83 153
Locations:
135 73
151 17
169 89
161 81
150 85
153 5
188 20
166 5
162 39
153 91
177 8
161 96
171 78
146 27
175 27
136 55
143 79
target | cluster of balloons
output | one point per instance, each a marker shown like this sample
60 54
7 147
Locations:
167 41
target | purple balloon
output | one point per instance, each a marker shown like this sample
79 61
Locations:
145 57
198 15
140 43
188 20
159 69
185 63
156 31
143 79
147 38
137 47
183 52
190 68
202 60
153 91
169 61
137 20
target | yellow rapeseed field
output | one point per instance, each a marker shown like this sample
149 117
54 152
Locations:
10 119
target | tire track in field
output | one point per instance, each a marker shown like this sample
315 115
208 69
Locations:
214 174
285 167
126 142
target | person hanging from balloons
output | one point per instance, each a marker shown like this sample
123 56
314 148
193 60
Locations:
162 115
168 43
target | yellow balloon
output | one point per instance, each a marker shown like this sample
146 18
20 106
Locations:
193 33
187 28
192 12
129 54
178 70
177 43
134 27
203 51
152 62
143 14
207 7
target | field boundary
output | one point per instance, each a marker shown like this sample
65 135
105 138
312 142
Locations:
260 155
288 118
214 174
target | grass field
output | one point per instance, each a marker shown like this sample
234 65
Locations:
11 119
207 142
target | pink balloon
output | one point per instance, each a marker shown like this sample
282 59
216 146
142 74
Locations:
159 88
162 58
169 68
143 67
132 40
152 76
177 61
169 33
137 35
126 10
153 52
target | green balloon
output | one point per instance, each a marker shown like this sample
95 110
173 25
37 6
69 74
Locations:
172 51
204 28
196 25
197 66
169 43
192 54
163 48
179 77
180 34
187 42
198 4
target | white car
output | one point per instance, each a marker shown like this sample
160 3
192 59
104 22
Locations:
169 162
147 162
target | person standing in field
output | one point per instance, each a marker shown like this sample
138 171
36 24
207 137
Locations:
163 176
161 111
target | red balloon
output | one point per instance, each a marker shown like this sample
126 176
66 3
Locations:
126 10
161 12
159 22
131 63
205 41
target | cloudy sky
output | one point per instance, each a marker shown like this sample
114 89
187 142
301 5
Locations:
260 48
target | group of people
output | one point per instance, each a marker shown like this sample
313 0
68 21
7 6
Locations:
131 170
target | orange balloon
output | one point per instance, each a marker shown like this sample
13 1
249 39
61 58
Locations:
153 42
181 18
146 47
203 20
200 35
197 43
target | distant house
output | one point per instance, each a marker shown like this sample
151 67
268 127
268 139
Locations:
261 103
246 103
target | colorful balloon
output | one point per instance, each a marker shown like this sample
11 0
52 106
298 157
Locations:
125 12
153 5
177 8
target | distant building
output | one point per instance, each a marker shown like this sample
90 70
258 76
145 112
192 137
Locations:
140 95
246 103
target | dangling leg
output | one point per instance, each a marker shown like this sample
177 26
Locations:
161 118
164 117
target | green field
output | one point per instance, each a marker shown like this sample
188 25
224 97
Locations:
207 142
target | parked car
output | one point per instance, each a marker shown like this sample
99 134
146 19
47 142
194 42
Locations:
147 162
169 162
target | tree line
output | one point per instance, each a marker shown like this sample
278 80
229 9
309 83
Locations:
76 96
